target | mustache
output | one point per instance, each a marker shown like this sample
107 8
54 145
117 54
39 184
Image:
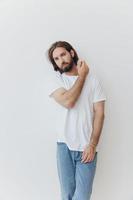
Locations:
64 63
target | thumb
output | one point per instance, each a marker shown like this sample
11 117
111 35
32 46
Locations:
79 63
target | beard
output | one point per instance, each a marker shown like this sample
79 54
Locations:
68 66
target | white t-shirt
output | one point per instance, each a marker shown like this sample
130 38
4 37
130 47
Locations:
74 125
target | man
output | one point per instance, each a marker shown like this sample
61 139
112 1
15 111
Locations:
80 94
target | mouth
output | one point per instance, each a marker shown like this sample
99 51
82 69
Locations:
65 64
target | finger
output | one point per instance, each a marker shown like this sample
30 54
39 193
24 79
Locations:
83 153
79 62
88 158
84 157
91 158
82 63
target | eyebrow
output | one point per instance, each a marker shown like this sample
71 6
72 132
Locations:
60 54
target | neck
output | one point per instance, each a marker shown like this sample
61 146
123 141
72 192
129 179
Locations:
73 71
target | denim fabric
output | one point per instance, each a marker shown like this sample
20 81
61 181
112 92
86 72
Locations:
76 178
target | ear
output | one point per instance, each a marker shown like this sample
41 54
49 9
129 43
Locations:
72 53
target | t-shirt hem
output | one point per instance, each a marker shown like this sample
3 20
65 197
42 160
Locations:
74 149
103 99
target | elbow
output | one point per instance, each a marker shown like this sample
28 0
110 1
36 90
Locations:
103 117
70 104
100 115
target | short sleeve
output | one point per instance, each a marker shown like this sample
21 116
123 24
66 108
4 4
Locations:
55 82
99 94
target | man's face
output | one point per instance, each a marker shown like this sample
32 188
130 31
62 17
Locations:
63 59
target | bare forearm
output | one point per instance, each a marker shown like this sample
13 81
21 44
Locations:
73 93
97 128
68 98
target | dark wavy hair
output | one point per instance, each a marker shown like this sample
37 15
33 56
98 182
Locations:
65 45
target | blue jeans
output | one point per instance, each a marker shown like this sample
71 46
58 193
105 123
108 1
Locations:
76 178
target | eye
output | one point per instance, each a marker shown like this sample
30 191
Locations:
63 54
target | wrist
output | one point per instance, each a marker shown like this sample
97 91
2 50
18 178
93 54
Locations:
82 77
92 145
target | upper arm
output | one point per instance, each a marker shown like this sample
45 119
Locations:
98 92
98 107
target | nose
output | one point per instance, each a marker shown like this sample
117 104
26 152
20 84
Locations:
61 61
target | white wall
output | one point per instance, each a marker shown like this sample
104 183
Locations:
102 33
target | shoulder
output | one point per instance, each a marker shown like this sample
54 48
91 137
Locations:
94 80
92 77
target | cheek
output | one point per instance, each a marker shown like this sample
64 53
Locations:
56 62
68 58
